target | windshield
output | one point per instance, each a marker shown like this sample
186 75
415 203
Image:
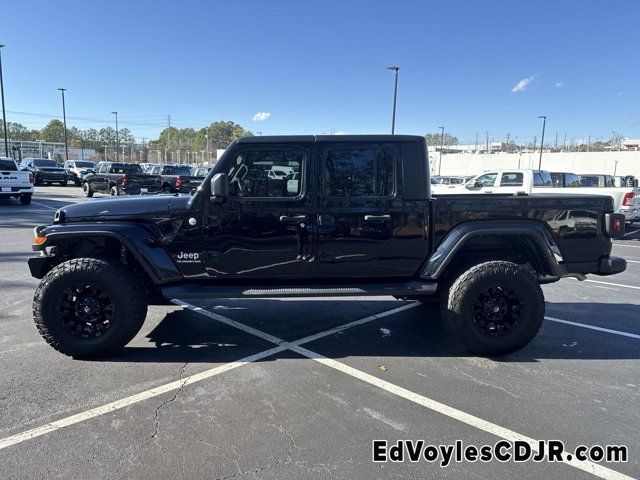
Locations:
43 162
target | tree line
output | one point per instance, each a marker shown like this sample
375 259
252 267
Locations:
219 135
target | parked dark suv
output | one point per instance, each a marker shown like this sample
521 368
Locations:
45 171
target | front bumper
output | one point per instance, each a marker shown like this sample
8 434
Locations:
50 177
37 266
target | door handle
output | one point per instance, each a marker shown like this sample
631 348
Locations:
292 219
368 218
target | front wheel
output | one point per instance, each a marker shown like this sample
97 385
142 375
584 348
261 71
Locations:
89 307
63 183
86 190
494 308
114 191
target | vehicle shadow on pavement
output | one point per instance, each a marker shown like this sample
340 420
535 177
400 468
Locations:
185 336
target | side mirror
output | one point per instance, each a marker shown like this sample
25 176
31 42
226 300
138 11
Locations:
473 185
219 186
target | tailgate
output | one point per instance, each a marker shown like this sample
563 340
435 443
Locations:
13 179
144 180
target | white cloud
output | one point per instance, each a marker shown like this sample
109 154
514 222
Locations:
261 116
559 84
522 85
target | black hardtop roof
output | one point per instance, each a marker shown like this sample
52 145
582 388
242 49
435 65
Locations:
330 138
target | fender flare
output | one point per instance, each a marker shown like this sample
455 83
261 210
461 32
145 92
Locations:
140 240
457 237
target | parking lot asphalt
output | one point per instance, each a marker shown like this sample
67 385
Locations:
299 388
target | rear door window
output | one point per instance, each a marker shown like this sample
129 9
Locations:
511 179
542 178
8 165
359 172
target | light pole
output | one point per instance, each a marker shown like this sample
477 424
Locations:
64 118
117 138
544 124
395 96
4 113
441 147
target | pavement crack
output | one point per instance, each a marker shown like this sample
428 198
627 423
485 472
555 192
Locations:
156 420
474 379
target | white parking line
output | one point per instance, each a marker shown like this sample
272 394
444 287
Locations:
625 245
606 283
44 205
613 284
451 412
632 261
592 327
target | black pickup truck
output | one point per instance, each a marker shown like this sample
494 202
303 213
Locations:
176 178
116 179
358 219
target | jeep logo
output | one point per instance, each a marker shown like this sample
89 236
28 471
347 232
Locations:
185 257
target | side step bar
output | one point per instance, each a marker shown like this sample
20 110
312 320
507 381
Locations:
197 291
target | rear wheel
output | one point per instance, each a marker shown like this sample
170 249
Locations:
494 308
63 183
89 307
25 198
86 190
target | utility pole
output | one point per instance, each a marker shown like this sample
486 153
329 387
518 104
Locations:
564 148
556 144
169 134
144 149
544 124
117 137
487 139
441 147
64 118
508 145
4 112
589 144
395 96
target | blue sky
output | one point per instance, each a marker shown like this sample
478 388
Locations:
320 66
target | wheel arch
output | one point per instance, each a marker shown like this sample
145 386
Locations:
129 242
519 241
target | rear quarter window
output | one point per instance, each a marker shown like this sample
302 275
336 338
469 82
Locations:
8 165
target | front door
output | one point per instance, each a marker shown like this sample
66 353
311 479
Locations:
360 208
264 228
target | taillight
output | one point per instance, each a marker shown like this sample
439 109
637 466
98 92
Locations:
178 182
30 177
614 224
628 200
124 181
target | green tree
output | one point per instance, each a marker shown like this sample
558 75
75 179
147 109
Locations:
52 132
17 131
435 139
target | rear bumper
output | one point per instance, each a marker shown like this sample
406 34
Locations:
611 265
136 190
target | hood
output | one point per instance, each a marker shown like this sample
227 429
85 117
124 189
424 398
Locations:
140 207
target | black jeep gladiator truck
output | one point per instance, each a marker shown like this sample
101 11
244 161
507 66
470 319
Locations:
358 220
116 179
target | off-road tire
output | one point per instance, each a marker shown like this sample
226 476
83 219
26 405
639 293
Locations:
86 190
25 198
125 290
458 303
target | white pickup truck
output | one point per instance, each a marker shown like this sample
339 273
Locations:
15 183
531 182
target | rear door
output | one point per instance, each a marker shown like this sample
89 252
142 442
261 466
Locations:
509 182
359 206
